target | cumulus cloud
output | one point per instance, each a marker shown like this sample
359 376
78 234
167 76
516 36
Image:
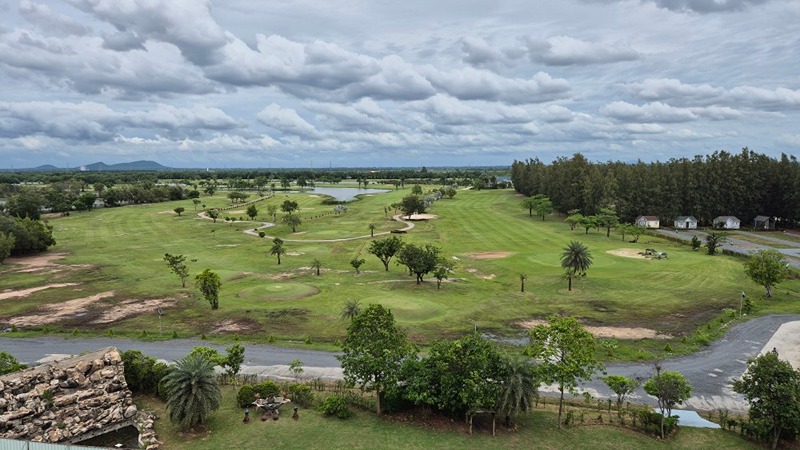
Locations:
452 111
473 84
43 17
569 51
478 53
674 91
651 112
287 120
365 114
706 6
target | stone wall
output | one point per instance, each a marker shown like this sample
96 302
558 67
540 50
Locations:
65 400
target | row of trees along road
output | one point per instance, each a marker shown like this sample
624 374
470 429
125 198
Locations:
744 185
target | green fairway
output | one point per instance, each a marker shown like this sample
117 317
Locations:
486 234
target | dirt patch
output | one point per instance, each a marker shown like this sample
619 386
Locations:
238 211
627 253
41 260
422 217
235 326
59 312
607 332
167 212
489 255
294 253
133 307
480 274
26 292
314 196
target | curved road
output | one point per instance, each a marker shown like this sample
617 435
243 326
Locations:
710 370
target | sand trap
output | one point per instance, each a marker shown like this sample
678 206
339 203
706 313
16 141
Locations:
314 196
422 217
57 312
607 332
238 211
29 291
627 253
488 255
787 341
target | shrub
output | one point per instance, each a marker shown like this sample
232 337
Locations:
301 395
245 396
650 422
267 388
336 405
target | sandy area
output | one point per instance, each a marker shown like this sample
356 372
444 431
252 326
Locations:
627 252
238 211
423 217
40 260
57 312
294 253
488 255
231 326
314 196
787 341
607 332
166 212
26 292
134 307
480 274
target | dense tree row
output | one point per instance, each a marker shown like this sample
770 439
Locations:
744 185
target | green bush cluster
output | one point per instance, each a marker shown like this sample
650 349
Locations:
301 395
336 405
246 396
650 422
143 373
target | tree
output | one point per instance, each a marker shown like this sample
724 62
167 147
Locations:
7 241
372 227
192 391
272 210
177 264
411 204
30 236
374 350
575 260
85 201
416 189
440 272
715 239
587 222
277 249
772 387
213 214
522 278
357 263
196 203
296 367
764 267
293 221
519 390
542 205
622 386
316 265
9 364
419 260
234 358
670 388
635 231
208 283
252 212
289 206
351 309
567 354
28 203
528 203
179 210
385 249
608 219
573 220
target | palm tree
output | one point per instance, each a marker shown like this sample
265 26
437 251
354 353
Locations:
575 260
316 264
351 309
519 388
372 227
522 278
277 249
192 391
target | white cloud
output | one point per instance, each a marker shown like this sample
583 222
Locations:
287 121
568 51
43 17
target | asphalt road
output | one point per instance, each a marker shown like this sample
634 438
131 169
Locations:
709 371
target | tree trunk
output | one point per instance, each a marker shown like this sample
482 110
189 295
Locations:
522 286
378 401
608 232
569 288
560 404
438 284
530 212
385 264
768 289
279 260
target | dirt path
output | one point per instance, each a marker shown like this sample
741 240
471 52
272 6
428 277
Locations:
29 291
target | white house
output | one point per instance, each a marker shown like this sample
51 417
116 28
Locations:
726 222
647 222
686 223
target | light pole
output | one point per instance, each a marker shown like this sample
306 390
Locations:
741 302
160 313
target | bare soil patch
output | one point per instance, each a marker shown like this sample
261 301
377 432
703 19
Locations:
314 196
607 332
235 326
294 253
489 255
40 260
627 253
167 212
26 292
58 312
423 217
480 274
238 211
133 307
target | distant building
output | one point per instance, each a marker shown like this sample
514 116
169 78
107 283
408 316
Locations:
763 223
686 223
647 222
726 222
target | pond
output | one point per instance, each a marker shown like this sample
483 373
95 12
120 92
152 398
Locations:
344 194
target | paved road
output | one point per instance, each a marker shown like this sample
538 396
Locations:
743 247
709 370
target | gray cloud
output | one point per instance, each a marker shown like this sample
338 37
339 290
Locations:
569 51
707 6
42 16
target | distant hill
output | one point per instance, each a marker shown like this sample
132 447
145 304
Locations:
45 168
135 165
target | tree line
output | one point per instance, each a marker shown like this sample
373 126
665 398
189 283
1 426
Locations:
744 185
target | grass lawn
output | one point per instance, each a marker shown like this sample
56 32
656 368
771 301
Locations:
367 431
120 250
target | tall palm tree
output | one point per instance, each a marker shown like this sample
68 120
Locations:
575 260
277 249
520 388
192 391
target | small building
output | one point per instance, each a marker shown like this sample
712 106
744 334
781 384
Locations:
647 222
763 223
726 222
686 223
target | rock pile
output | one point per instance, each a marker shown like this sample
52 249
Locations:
65 400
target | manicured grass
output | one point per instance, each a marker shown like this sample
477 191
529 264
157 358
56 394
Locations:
367 431
122 250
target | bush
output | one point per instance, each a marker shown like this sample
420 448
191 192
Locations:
142 373
245 396
336 405
650 422
267 388
301 395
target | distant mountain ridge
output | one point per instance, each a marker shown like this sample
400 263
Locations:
101 166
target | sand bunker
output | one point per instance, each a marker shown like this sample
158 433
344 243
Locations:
607 332
488 255
238 211
627 253
422 217
58 312
29 291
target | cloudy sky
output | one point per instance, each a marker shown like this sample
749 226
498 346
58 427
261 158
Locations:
312 83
